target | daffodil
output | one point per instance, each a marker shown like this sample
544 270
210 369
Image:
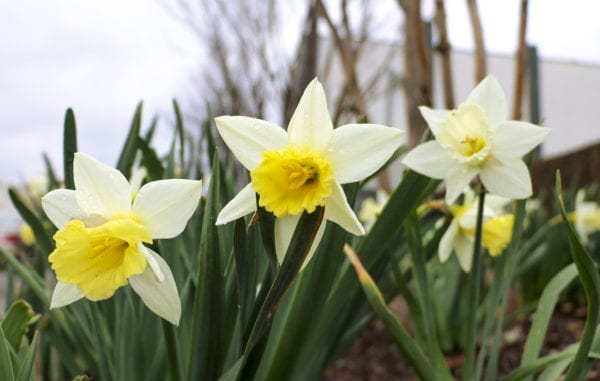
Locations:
587 216
477 139
460 235
103 226
303 168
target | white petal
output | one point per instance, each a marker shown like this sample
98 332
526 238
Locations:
457 179
64 294
358 150
434 117
165 206
310 125
100 189
339 211
243 203
162 298
489 95
464 251
248 138
515 139
61 206
160 276
137 178
284 229
447 242
431 160
506 177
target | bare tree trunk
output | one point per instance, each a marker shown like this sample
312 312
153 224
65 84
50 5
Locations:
521 63
417 81
444 48
347 57
480 62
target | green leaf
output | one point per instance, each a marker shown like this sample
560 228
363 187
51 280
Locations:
16 321
127 156
300 244
407 345
588 274
53 182
28 275
546 305
180 131
150 133
541 363
207 355
424 291
69 147
26 370
6 367
42 238
151 161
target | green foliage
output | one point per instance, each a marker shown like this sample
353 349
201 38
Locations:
247 317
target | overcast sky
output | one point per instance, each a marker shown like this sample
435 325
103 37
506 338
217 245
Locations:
102 57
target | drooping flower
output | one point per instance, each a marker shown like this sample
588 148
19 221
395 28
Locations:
587 216
303 168
103 225
477 139
460 235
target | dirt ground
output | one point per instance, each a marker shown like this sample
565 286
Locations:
374 357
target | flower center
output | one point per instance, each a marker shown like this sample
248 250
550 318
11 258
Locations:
99 259
466 134
292 180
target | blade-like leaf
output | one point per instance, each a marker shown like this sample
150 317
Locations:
407 345
6 367
151 161
127 156
588 274
26 370
69 147
16 321
42 238
543 313
207 355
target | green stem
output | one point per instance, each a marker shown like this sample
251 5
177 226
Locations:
425 296
171 346
473 297
501 288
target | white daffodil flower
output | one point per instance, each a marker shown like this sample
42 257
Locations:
586 215
103 225
477 139
460 235
303 168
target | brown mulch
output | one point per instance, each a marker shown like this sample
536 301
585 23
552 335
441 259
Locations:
374 356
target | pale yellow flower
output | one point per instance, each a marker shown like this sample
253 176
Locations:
102 231
460 235
303 168
477 139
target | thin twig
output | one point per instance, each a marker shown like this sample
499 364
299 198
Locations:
444 49
480 62
521 64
